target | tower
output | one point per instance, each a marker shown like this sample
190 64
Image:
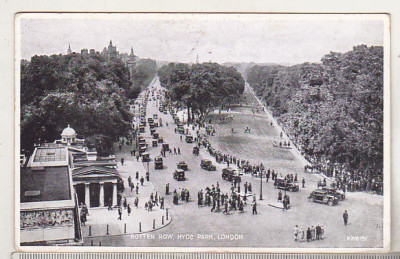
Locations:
69 51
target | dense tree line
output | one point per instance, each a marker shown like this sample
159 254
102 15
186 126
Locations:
332 109
89 92
201 87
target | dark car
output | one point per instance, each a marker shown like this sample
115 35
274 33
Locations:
158 163
179 175
189 139
323 196
281 183
339 194
230 174
207 165
145 157
182 165
165 147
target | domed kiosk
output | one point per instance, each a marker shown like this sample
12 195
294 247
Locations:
68 135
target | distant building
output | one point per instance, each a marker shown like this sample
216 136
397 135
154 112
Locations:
84 52
92 51
69 51
111 51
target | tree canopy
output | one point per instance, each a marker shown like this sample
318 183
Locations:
333 109
201 87
90 92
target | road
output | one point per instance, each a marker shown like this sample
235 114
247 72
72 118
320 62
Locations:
272 227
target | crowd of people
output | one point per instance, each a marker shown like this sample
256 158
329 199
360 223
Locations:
308 234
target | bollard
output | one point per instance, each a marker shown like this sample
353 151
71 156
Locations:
107 230
90 230
162 219
154 223
167 213
125 228
140 226
91 242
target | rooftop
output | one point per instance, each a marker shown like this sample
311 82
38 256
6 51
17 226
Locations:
50 154
42 184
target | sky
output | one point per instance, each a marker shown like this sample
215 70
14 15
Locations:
260 38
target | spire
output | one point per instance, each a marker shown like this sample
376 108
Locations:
110 43
131 50
69 51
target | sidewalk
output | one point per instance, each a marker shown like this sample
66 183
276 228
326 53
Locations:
102 222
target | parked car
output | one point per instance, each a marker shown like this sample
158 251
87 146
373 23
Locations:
182 165
207 165
323 196
230 174
179 175
338 193
281 183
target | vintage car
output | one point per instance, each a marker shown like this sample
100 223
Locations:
181 130
196 151
189 139
230 174
158 163
155 135
155 143
165 147
323 196
182 165
141 129
152 125
150 120
145 157
207 165
179 175
338 193
160 140
281 183
155 116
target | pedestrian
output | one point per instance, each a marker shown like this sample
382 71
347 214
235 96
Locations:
137 188
308 235
129 210
167 189
303 182
254 208
345 217
136 202
296 232
137 175
280 196
147 176
181 137
318 232
250 187
179 151
122 160
119 213
141 180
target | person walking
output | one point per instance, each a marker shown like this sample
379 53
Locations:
296 232
318 232
254 208
120 213
303 182
308 235
137 175
345 217
280 196
129 210
137 188
122 161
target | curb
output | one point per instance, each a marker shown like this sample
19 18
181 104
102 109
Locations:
133 233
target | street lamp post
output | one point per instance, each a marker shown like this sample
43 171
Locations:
261 196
